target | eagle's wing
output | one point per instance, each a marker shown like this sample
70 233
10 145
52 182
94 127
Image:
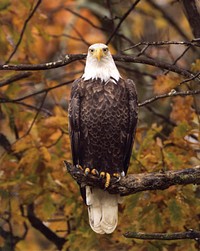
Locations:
133 116
74 122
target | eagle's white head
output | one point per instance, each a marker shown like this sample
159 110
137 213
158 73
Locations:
100 64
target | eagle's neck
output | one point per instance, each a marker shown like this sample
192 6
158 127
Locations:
104 69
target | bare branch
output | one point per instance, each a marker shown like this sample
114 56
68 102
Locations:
75 57
193 16
38 224
134 183
85 19
161 43
172 93
46 90
6 100
169 19
15 78
36 115
46 66
191 234
153 62
23 30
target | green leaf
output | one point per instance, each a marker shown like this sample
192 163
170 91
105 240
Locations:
181 130
175 211
4 4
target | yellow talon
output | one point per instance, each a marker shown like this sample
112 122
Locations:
107 180
87 170
94 172
117 175
79 167
102 174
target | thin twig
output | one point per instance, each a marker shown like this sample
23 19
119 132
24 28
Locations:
122 20
4 100
179 57
172 93
85 19
23 30
36 115
169 19
161 43
15 78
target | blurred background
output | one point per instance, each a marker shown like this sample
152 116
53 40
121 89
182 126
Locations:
40 204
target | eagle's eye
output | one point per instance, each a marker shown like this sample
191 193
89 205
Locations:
91 50
105 50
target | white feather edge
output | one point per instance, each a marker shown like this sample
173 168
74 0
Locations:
102 210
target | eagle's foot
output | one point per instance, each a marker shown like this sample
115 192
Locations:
117 176
95 172
102 175
107 183
79 167
87 170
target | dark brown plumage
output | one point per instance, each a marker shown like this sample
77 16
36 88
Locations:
103 119
102 123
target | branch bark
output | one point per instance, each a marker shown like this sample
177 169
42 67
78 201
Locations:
122 20
170 19
134 183
23 29
190 234
193 16
38 224
69 58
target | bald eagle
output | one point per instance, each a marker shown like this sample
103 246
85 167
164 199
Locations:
102 123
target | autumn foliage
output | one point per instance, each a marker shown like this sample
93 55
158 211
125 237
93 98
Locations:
40 204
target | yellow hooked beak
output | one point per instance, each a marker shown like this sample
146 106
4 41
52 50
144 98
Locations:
98 53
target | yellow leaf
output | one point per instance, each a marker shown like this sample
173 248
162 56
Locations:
196 66
23 144
56 122
164 83
182 109
44 153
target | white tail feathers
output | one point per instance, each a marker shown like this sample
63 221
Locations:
102 210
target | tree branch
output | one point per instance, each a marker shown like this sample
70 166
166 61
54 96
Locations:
169 18
190 234
38 224
23 30
15 78
122 20
193 16
172 93
69 58
46 66
134 183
